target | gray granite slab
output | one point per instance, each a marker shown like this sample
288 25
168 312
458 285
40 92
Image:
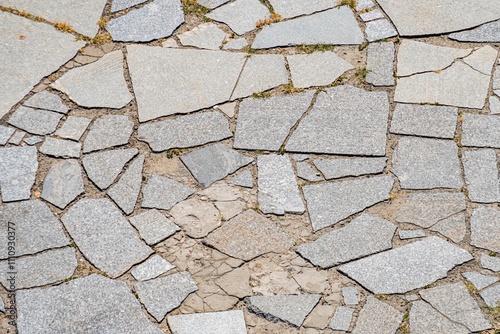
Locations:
5 134
204 36
350 295
63 183
36 121
151 268
306 172
365 235
278 190
452 227
108 131
154 20
378 317
293 8
74 306
364 4
104 236
48 101
344 120
73 127
243 179
479 281
18 166
481 130
37 229
490 262
329 203
17 137
342 319
162 192
118 5
126 191
235 44
380 64
411 234
291 309
32 140
60 148
484 228
379 29
342 167
491 296
153 226
372 15
162 295
494 105
408 267
208 323
212 3
241 15
481 175
486 33
426 319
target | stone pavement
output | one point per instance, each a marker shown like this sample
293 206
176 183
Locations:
250 166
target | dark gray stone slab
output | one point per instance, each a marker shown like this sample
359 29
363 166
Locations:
162 193
481 175
243 179
108 131
379 29
48 101
491 296
151 268
241 15
73 127
153 226
36 121
377 317
380 64
126 191
208 323
479 281
63 183
342 167
18 166
424 319
484 228
5 134
481 130
60 148
342 318
490 262
118 5
486 33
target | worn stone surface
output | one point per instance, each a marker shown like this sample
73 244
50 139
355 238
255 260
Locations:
350 295
197 218
249 235
410 234
377 316
484 228
153 226
379 29
241 15
5 134
36 121
329 203
336 26
118 5
481 130
407 267
48 101
18 166
490 262
208 323
278 190
481 175
488 32
108 131
151 268
306 172
236 282
63 183
365 235
424 319
204 36
73 127
372 15
60 148
163 193
319 318
380 64
243 179
312 280
342 167
340 123
104 236
479 281
126 191
491 296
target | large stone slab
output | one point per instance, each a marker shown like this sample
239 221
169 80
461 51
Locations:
208 323
48 101
153 226
249 235
365 235
241 15
73 127
108 131
486 33
377 317
126 191
292 8
481 175
380 64
63 183
405 268
342 167
163 193
329 203
151 268
335 26
481 130
18 166
74 307
344 120
60 148
424 319
104 236
36 121
484 228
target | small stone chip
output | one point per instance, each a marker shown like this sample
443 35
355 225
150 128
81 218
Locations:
151 268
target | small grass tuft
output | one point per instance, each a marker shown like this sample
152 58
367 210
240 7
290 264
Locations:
491 253
303 48
64 27
290 89
404 327
361 73
173 153
191 7
261 95
350 3
273 18
103 22
101 38
281 151
363 46
471 288
381 296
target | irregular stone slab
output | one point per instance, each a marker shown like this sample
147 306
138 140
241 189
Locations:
208 323
36 121
494 105
342 167
27 60
37 229
372 15
336 26
481 175
264 124
424 319
162 192
100 84
235 44
365 235
412 20
103 167
60 148
18 166
73 127
197 218
350 295
329 203
490 262
153 226
17 137
410 234
204 36
162 295
185 131
46 268
452 227
481 130
243 179
344 120
484 228
104 236
48 101
118 5
213 163
154 20
288 9
236 282
73 305
212 3
32 140
427 209
292 309
479 281
316 69
249 235
126 191
424 120
306 172
151 268
379 29
491 296
486 33
241 15
405 268
342 318
203 79
422 163
278 190
380 64
108 131
5 134
378 317
63 183
455 302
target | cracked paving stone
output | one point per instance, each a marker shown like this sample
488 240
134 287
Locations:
100 84
311 280
151 268
163 193
488 32
372 15
153 226
126 191
74 306
208 323
380 64
342 167
278 190
350 295
241 15
481 130
292 309
108 131
344 120
103 167
484 228
164 294
365 235
329 203
491 296
236 282
213 163
154 20
63 183
379 29
490 262
411 234
288 9
204 36
35 121
60 148
452 227
306 172
48 101
73 127
481 175
118 5
243 179
479 281
249 235
37 229
378 317
342 319
18 166
5 134
197 218
104 236
336 26
424 319
46 268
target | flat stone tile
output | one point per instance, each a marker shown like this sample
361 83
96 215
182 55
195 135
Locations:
36 121
32 140
490 262
163 193
379 29
241 15
118 5
5 134
151 268
484 228
243 179
491 296
481 175
350 295
342 167
18 166
108 131
196 217
204 36
60 148
372 15
486 33
481 130
306 172
208 323
288 8
63 183
426 319
48 101
411 234
479 281
330 203
104 236
380 64
73 127
342 319
408 267
126 191
153 226
378 317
